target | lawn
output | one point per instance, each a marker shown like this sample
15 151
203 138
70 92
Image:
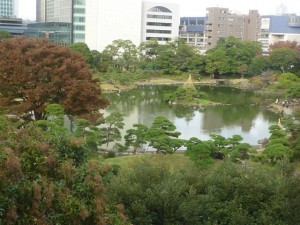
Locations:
178 160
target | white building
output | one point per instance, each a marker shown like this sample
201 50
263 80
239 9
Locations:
160 21
109 20
134 20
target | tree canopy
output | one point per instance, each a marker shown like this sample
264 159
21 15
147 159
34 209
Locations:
231 55
35 73
84 50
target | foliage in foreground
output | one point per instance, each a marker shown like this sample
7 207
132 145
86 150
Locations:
154 193
46 179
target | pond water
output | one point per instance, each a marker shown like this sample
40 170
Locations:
144 104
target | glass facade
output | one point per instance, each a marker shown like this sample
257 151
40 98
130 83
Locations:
56 32
79 21
64 11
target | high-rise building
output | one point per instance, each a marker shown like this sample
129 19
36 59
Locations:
63 11
221 24
8 8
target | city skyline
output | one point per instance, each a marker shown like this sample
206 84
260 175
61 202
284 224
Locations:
27 8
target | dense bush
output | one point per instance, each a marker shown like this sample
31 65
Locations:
43 181
155 193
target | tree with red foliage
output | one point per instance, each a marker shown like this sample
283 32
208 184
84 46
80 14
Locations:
294 45
35 73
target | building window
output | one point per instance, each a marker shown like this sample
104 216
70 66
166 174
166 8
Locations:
158 38
158 31
159 16
79 19
159 9
159 24
79 11
79 27
79 2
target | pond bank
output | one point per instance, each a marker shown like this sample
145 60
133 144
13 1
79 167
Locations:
241 83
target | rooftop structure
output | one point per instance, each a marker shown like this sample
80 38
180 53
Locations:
192 30
279 28
14 26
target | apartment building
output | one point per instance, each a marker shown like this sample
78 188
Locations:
222 23
192 30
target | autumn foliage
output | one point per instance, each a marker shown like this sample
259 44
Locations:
35 73
41 185
286 44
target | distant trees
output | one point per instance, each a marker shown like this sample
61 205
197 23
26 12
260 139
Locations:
218 147
136 137
278 147
231 55
162 135
283 59
259 65
121 55
110 129
84 50
35 73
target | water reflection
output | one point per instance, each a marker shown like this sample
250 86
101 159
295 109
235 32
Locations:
143 105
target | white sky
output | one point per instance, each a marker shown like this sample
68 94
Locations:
198 7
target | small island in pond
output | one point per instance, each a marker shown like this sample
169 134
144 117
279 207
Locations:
188 95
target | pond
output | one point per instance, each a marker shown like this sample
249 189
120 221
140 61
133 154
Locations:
239 115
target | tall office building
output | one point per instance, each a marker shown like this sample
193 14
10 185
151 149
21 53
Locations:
222 23
8 8
63 11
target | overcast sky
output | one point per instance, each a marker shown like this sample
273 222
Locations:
198 7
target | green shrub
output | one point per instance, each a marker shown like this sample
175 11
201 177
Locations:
111 154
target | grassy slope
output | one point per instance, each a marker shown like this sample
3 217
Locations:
177 160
